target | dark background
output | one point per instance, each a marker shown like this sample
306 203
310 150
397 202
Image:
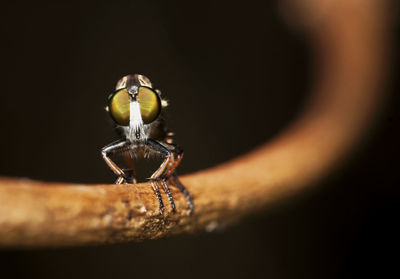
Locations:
235 76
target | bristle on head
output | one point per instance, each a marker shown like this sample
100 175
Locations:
164 103
136 129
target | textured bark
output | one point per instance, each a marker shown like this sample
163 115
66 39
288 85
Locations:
350 39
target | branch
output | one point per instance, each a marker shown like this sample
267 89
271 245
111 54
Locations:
347 95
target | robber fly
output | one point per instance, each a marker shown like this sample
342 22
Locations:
137 109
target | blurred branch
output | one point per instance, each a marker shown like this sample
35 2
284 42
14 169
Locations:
351 42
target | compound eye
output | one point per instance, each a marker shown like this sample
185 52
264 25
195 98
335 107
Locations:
150 104
119 107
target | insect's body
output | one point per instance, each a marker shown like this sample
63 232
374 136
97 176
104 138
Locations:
136 109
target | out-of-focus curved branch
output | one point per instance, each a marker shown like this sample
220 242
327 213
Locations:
350 39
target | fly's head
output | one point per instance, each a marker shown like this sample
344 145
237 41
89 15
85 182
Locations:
135 106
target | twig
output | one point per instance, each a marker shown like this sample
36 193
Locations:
350 49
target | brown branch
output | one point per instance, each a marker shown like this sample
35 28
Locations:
350 42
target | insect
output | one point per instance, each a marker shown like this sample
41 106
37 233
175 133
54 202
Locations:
137 110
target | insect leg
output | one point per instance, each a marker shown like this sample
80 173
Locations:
115 147
159 148
178 155
174 156
156 190
185 192
120 180
168 191
176 160
158 174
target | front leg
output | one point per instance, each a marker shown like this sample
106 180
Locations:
128 178
156 176
173 156
116 147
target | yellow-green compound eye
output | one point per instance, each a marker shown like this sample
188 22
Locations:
119 107
149 102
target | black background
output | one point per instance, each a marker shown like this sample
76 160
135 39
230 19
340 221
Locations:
235 76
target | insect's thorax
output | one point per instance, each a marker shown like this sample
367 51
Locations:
156 130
